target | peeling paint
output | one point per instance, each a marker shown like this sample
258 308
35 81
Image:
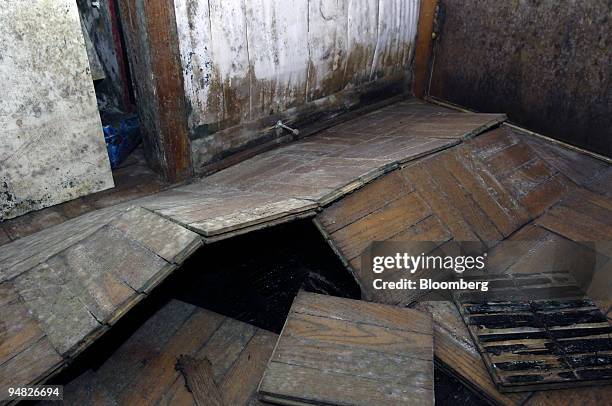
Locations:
246 60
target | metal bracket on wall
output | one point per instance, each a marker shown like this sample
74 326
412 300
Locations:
279 124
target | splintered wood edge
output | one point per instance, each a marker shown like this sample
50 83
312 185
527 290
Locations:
259 226
340 256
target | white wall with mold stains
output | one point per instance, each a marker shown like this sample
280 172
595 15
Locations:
245 59
51 142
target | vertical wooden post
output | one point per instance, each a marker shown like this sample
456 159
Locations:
423 46
153 53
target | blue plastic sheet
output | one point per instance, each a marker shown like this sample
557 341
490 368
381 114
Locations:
121 139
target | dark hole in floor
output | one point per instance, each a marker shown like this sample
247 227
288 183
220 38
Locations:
252 278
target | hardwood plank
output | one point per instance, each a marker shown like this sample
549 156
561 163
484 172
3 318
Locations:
86 389
19 330
593 210
160 374
492 143
241 381
480 224
600 184
255 215
344 390
225 346
450 125
421 149
178 395
365 201
163 237
354 311
553 254
104 293
545 195
339 358
143 347
575 225
528 176
380 225
131 263
199 379
30 366
580 168
428 229
303 192
147 359
510 158
600 199
64 318
509 251
503 211
438 201
346 355
25 253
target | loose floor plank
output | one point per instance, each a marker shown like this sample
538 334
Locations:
380 225
524 188
163 237
342 351
107 260
365 201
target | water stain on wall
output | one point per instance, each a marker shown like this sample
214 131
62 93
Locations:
243 61
544 63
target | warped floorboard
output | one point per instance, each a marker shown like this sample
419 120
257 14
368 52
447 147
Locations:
503 186
337 351
71 282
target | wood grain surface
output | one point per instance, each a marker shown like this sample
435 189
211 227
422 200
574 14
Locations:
347 352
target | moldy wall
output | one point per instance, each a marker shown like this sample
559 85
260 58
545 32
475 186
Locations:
244 64
245 61
51 142
545 63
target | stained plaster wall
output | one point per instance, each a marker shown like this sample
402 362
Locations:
247 63
546 63
51 143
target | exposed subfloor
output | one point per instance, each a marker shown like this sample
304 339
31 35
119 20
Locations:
91 270
256 287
